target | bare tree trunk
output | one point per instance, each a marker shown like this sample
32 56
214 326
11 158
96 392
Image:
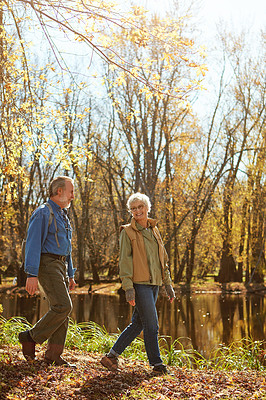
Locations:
167 204
182 265
227 271
176 259
258 223
242 241
248 246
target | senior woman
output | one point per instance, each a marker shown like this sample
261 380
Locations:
142 269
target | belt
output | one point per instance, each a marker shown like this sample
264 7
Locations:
55 256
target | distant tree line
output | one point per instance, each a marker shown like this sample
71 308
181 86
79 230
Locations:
205 178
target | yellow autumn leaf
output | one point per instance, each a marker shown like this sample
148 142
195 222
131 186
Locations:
201 69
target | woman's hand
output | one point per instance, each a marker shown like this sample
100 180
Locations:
170 292
130 296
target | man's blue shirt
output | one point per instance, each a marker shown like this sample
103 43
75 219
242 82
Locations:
41 238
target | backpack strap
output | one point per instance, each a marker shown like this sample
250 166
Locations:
51 217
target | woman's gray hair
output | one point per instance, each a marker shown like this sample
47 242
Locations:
59 182
141 197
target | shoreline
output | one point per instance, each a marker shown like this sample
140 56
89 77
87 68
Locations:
114 288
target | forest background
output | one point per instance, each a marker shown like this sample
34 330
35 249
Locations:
108 97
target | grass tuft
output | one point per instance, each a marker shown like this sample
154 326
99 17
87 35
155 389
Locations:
10 328
89 336
242 354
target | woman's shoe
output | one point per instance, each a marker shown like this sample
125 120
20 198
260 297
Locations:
110 363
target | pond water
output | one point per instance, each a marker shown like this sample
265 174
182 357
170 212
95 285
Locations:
201 320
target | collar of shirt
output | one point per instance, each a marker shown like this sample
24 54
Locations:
62 212
55 206
146 232
141 228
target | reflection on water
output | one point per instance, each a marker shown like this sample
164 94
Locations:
202 320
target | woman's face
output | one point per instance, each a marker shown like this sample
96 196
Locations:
140 212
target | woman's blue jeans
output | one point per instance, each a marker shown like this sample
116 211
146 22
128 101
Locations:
144 318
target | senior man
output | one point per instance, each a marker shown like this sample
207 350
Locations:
48 262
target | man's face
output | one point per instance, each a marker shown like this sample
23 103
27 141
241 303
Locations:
66 195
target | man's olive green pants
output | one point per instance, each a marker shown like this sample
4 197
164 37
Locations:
54 281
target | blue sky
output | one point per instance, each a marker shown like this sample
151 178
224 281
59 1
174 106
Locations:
235 13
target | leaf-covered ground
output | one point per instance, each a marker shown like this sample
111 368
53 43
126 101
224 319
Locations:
20 380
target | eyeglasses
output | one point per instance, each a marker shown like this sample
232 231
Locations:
139 208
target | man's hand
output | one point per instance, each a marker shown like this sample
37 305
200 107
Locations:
32 285
72 283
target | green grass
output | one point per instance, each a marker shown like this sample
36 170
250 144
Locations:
174 353
90 337
10 328
240 355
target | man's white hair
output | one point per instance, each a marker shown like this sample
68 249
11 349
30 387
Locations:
141 197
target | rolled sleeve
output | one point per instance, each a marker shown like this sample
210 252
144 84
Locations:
125 261
167 276
71 271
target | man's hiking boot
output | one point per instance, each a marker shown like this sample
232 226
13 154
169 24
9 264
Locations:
53 356
28 345
110 363
160 370
59 362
